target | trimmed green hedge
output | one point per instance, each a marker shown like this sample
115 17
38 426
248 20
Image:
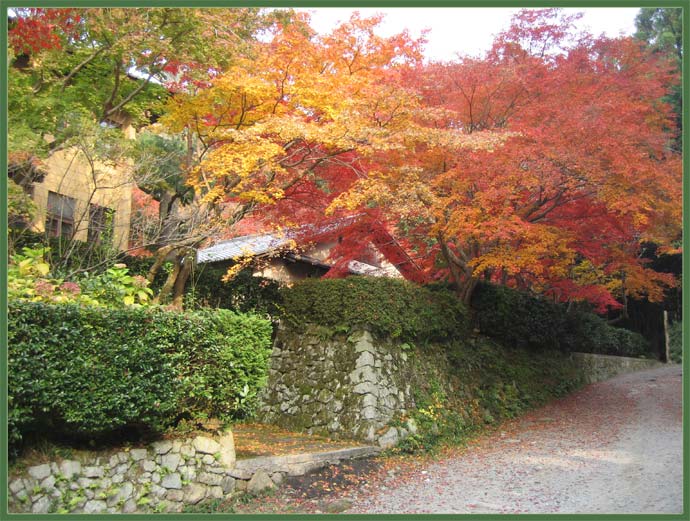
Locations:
245 293
675 334
517 319
388 307
90 371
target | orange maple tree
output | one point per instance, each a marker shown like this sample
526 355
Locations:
574 175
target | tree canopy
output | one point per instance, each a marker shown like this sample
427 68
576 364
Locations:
545 164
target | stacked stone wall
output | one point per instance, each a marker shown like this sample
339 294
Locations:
161 477
350 387
602 367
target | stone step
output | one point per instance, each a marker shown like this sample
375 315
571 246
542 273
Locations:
299 464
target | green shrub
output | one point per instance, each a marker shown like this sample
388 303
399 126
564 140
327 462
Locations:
589 333
481 384
29 278
517 319
85 370
89 371
675 335
244 293
222 358
388 307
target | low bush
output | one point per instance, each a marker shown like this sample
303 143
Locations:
589 333
482 383
388 307
244 293
518 319
675 335
89 371
30 277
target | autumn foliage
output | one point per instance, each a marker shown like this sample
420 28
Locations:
545 164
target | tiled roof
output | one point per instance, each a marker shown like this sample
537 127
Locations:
241 246
255 245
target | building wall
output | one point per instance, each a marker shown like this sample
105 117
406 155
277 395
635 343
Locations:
69 173
287 272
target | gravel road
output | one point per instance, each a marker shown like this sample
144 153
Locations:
613 447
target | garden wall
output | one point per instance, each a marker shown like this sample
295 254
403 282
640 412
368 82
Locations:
381 390
340 387
602 367
161 477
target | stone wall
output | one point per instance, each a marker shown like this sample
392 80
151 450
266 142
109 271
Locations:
349 387
602 367
161 477
357 387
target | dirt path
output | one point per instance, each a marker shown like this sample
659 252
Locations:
614 447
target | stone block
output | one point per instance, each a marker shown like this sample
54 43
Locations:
389 439
129 507
187 451
48 484
123 493
208 459
95 506
228 484
366 388
16 486
39 472
122 456
173 480
205 445
138 454
209 479
174 495
366 358
215 492
171 461
93 472
227 449
147 465
162 447
41 506
259 482
194 493
158 492
369 413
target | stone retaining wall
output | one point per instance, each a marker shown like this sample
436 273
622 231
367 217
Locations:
349 387
161 477
602 367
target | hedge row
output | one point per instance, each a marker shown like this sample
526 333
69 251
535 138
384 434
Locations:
388 307
520 320
90 371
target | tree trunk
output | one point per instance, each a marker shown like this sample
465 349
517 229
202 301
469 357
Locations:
169 284
161 255
466 289
187 262
667 340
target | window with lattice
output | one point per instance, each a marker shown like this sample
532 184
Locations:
101 219
60 215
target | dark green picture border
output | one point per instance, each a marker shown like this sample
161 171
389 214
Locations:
337 3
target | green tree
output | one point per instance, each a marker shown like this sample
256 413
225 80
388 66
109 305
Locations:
662 29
